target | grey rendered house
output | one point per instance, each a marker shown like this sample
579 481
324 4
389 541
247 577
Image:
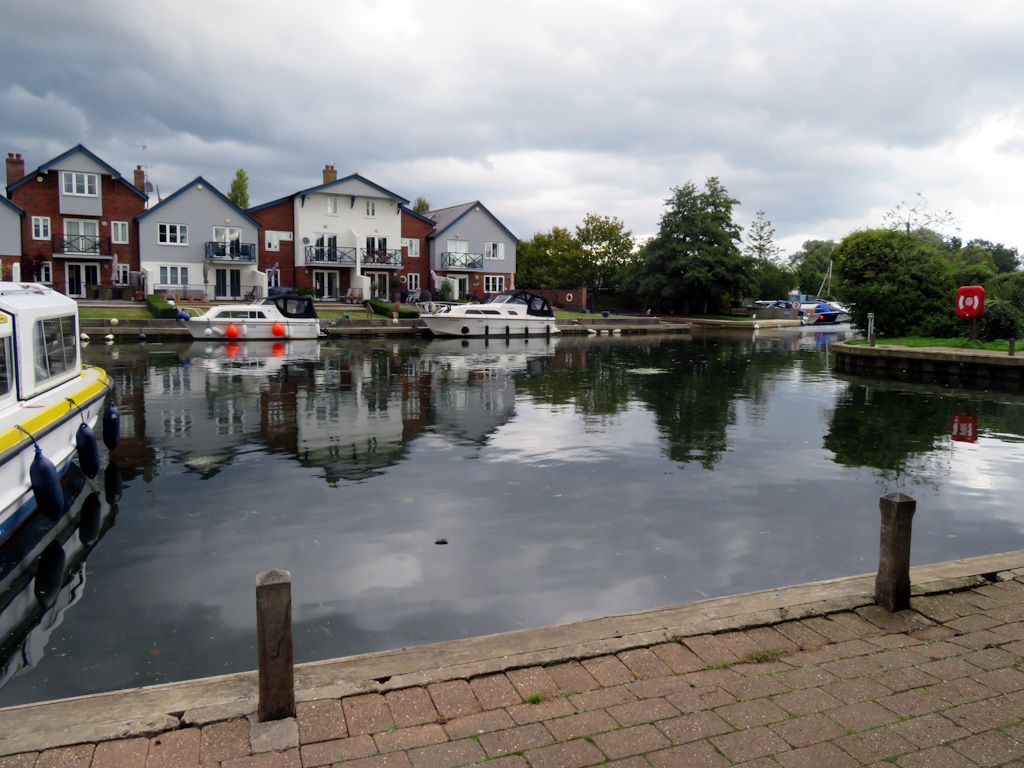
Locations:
474 251
198 243
10 239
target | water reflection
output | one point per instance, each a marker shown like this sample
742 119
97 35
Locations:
572 479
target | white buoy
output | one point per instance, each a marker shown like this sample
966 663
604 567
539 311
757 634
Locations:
109 338
84 337
592 332
113 321
617 331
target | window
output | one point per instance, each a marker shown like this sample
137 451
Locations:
413 283
119 231
332 206
40 227
173 275
371 209
121 274
46 272
413 246
172 234
458 246
494 283
494 250
273 241
82 184
273 278
54 345
6 365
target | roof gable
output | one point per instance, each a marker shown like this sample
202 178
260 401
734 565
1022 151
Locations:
446 218
208 188
352 184
59 159
12 206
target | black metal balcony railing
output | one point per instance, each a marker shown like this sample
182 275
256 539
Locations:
328 254
233 251
451 260
88 245
391 257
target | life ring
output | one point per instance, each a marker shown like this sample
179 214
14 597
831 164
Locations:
403 279
568 297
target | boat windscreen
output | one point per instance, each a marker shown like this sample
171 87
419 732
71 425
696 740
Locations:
294 306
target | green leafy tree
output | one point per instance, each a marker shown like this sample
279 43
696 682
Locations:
810 265
761 239
1005 259
773 280
532 261
694 260
239 194
607 247
420 205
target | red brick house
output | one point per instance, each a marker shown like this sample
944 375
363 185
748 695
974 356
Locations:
415 251
79 231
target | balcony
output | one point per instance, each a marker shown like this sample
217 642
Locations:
233 251
331 255
451 260
82 245
390 258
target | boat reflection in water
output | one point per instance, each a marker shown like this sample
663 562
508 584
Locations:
256 356
42 568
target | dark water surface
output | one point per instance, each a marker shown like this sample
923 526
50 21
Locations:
591 477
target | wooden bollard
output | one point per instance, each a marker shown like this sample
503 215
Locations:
1013 343
274 645
892 585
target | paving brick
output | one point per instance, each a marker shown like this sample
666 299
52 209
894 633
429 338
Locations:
710 650
532 681
800 634
930 731
601 698
545 710
863 716
856 624
899 680
976 641
124 753
915 703
817 756
646 711
608 670
698 699
515 740
940 650
949 669
631 741
980 716
980 602
858 666
699 725
678 658
806 701
571 754
749 744
629 762
973 623
992 748
658 687
583 724
1011 631
902 621
318 721
881 744
990 658
936 757
828 629
899 658
495 691
222 741
287 759
1002 680
368 714
804 731
410 738
747 714
962 691
852 691
411 706
740 644
481 722
512 761
699 754
572 677
27 759
448 755
330 752
644 664
772 640
452 699
174 749
763 667
392 760
848 649
807 677
755 687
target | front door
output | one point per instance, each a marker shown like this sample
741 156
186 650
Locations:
220 283
235 276
327 283
74 280
379 285
462 285
227 283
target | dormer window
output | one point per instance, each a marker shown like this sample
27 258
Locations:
371 209
80 184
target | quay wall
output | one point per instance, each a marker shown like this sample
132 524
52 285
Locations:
968 365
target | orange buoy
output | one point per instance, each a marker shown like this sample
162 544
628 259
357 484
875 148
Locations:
277 329
232 349
278 349
232 331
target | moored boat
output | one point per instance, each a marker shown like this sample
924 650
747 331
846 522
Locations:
49 402
273 319
512 313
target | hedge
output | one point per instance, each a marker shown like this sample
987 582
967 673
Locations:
159 308
384 309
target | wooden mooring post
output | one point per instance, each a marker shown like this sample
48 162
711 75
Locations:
274 645
892 585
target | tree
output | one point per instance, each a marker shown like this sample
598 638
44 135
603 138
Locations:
773 280
915 216
1005 259
420 205
694 260
239 194
761 240
810 264
607 247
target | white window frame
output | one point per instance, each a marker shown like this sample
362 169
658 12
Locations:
332 205
495 251
122 274
90 184
173 274
273 277
40 227
223 234
46 272
413 281
494 283
371 209
163 234
119 232
412 245
273 240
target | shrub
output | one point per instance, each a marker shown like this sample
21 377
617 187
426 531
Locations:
1001 320
159 308
384 310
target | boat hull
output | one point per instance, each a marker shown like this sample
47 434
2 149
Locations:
463 326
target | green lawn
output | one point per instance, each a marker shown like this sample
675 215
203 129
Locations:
924 341
121 313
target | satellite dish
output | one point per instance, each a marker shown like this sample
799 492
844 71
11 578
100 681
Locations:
148 187
305 241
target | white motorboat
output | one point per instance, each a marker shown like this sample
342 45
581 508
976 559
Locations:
511 313
49 402
274 319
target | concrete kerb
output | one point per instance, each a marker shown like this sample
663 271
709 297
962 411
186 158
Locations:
156 709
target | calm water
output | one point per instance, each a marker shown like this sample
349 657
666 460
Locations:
590 477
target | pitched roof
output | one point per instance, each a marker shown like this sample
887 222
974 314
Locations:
64 155
210 187
419 216
16 209
445 218
321 187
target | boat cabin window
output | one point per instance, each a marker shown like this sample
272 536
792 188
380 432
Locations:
489 312
54 347
6 365
513 313
473 312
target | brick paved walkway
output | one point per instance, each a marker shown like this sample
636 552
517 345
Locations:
935 687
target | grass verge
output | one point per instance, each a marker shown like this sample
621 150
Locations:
924 341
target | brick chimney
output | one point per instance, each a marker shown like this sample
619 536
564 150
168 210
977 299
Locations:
15 168
330 173
140 179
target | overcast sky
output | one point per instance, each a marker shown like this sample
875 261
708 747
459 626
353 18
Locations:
823 114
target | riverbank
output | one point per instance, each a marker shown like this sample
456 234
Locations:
972 365
809 675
